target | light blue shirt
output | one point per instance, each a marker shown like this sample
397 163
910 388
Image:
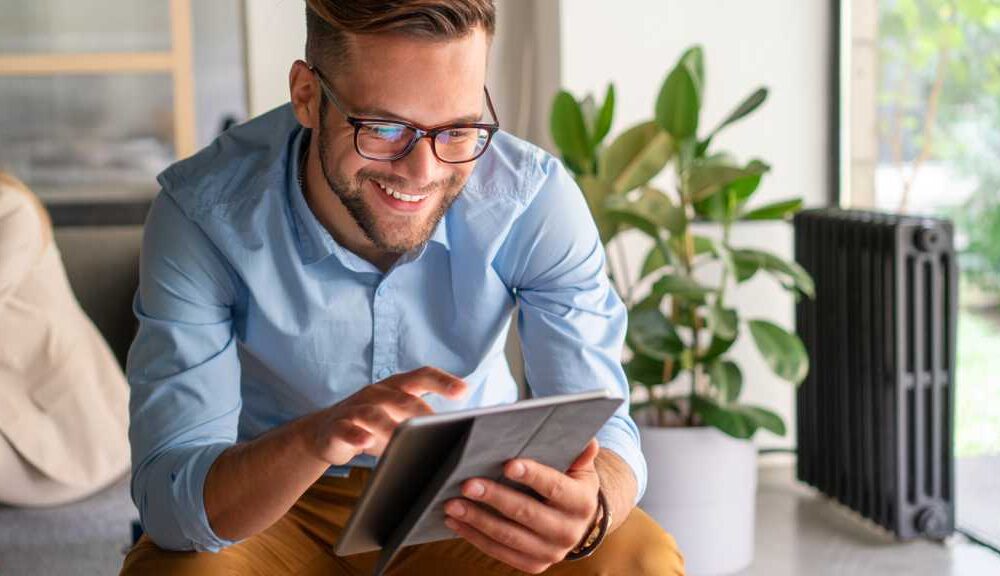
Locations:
251 315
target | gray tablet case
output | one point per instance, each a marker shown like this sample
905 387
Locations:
429 457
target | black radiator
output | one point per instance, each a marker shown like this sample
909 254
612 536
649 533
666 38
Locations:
874 415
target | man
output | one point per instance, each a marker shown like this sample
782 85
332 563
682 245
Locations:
340 264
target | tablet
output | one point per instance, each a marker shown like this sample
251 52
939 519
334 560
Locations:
428 457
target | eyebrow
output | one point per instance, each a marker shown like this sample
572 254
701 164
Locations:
382 114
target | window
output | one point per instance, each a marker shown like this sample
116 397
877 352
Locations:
920 133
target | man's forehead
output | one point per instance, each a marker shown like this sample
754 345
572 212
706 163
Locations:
422 81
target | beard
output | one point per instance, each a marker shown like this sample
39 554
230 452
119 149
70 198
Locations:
388 232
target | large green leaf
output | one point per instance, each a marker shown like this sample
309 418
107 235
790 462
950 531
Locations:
722 321
682 286
588 108
739 421
782 210
596 192
655 259
744 188
650 212
702 245
723 205
728 420
749 104
764 418
716 348
636 156
727 378
789 273
644 369
711 175
694 60
569 130
716 207
648 370
677 105
652 334
783 351
602 124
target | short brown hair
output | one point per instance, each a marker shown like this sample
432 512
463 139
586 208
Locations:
330 22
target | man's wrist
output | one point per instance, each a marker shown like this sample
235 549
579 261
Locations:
596 532
618 483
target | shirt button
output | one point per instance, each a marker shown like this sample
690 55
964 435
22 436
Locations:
380 290
383 373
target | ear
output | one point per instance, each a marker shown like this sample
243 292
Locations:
304 92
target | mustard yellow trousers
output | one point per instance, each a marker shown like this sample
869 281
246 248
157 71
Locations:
301 544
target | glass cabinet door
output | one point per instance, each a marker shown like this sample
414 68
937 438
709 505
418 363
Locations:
73 137
98 97
72 26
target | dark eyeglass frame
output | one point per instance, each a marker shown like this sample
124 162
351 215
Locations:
418 133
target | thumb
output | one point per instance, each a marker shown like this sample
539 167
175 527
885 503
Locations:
585 461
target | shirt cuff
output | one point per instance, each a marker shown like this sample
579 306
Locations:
622 438
187 484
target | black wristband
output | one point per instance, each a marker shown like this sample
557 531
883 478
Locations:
590 543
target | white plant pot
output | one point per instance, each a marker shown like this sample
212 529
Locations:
702 489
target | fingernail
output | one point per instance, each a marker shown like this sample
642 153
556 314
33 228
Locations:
455 508
475 489
450 523
516 470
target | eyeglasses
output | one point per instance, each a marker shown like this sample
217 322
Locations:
388 140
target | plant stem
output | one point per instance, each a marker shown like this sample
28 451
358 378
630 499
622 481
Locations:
687 261
721 296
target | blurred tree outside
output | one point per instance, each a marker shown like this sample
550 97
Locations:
939 153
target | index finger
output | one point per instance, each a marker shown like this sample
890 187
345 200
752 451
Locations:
555 487
430 379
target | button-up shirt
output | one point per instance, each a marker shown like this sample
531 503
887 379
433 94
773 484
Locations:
252 315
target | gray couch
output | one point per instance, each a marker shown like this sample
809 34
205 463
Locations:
87 537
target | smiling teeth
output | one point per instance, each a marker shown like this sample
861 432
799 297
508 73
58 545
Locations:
400 195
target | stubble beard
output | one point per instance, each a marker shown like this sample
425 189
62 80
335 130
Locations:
396 238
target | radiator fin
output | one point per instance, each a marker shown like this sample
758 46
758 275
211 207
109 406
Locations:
874 416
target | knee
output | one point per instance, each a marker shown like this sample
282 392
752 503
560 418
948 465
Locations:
148 559
645 549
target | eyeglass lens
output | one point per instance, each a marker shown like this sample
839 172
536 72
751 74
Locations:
386 140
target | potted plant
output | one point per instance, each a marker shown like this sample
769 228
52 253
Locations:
695 432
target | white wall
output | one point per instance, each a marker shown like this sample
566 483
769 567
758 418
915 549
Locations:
782 44
276 37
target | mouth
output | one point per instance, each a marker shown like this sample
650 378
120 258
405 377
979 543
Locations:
398 200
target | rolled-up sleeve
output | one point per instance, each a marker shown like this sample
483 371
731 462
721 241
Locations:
183 372
571 321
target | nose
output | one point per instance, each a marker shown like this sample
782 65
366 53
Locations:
420 167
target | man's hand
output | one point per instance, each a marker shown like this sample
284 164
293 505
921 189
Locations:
519 530
253 484
364 422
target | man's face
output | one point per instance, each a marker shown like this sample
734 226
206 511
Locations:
427 83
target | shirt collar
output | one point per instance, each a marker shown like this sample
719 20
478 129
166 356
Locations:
315 241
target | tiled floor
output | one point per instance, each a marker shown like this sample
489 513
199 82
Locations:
978 481
800 533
